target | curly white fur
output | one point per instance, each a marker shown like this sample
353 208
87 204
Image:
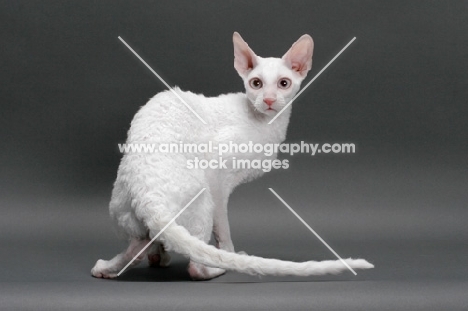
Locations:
152 188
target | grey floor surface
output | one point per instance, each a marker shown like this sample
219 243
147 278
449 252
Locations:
49 244
414 275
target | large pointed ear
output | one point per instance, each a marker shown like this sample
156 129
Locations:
299 56
244 58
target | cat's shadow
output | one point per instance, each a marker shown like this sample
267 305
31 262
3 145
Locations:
176 272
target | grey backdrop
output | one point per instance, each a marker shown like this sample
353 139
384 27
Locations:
70 88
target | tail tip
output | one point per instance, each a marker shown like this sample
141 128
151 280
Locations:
362 264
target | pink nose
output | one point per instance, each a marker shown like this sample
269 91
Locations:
269 101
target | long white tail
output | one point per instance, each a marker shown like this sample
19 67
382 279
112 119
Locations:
177 238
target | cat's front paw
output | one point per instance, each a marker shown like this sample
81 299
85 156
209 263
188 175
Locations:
101 270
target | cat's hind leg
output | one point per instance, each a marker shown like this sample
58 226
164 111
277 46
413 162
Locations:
108 269
199 272
157 256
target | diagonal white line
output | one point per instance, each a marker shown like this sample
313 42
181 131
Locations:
310 82
313 231
162 80
160 232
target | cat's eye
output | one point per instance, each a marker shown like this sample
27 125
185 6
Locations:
256 83
284 83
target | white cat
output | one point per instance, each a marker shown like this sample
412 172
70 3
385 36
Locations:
151 188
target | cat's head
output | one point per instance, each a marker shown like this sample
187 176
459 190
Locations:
271 83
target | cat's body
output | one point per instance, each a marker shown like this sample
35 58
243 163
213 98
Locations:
151 188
